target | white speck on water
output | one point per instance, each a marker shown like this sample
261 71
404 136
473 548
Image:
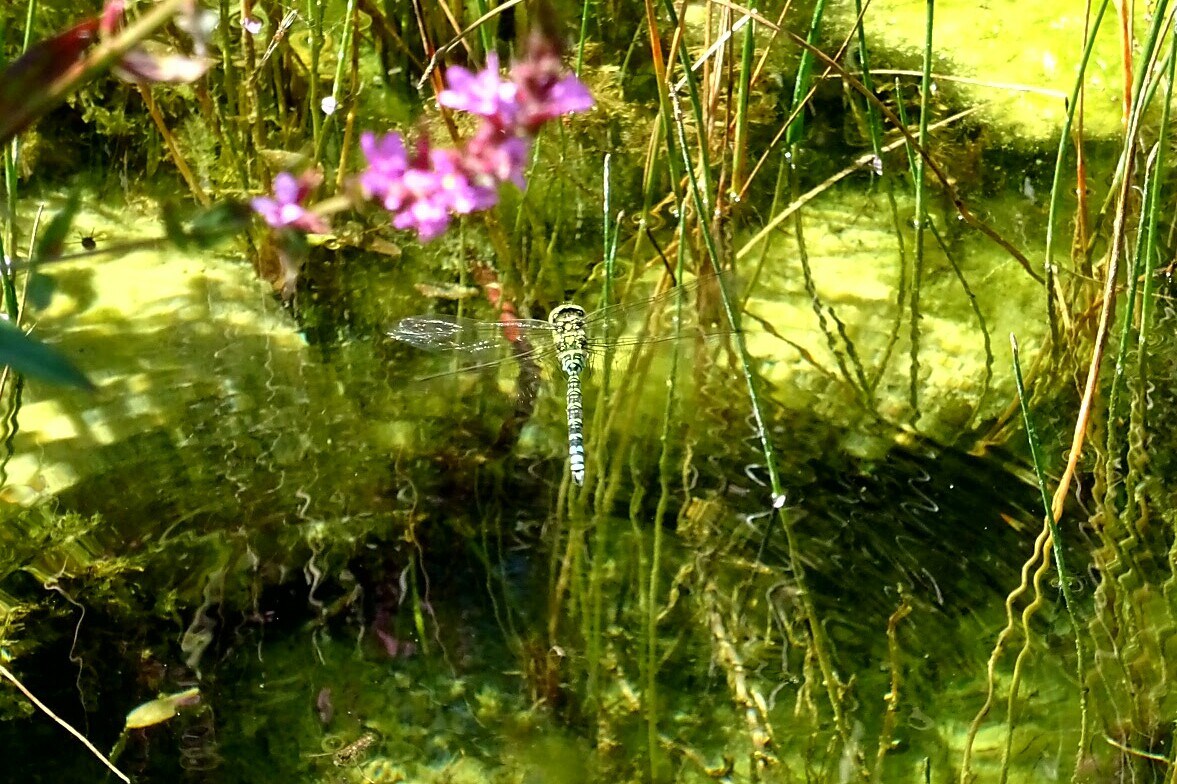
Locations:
1028 189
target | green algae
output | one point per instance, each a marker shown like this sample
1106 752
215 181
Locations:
1015 61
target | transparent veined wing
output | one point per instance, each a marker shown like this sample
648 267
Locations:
660 318
476 343
479 344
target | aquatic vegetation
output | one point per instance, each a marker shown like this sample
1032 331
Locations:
161 709
805 535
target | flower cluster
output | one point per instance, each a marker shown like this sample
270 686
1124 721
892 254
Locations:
424 187
422 191
285 209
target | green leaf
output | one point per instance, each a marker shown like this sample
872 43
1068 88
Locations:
221 220
173 224
162 709
35 359
52 239
41 289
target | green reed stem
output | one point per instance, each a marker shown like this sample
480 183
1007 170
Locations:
689 79
1056 191
732 314
11 181
11 178
665 494
11 382
979 314
609 230
315 11
743 89
602 411
649 681
817 632
481 10
913 302
582 37
1127 454
901 111
1064 577
1152 216
921 212
30 15
805 74
229 113
1143 92
251 102
1146 309
343 56
1112 457
874 121
592 613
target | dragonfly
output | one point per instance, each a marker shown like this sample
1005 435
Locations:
572 336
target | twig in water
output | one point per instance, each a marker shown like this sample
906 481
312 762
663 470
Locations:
45 709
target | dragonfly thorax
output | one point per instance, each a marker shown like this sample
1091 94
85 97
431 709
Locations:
572 343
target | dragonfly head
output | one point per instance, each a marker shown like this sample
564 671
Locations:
568 313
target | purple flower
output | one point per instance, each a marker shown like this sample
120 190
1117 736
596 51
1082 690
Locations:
544 91
425 188
421 193
566 96
538 91
494 157
453 186
483 94
285 210
569 96
428 216
387 163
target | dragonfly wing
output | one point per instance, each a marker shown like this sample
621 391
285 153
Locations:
476 342
660 318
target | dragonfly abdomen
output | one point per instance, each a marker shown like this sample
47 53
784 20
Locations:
572 345
575 405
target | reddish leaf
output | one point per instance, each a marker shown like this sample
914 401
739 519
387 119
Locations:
35 70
